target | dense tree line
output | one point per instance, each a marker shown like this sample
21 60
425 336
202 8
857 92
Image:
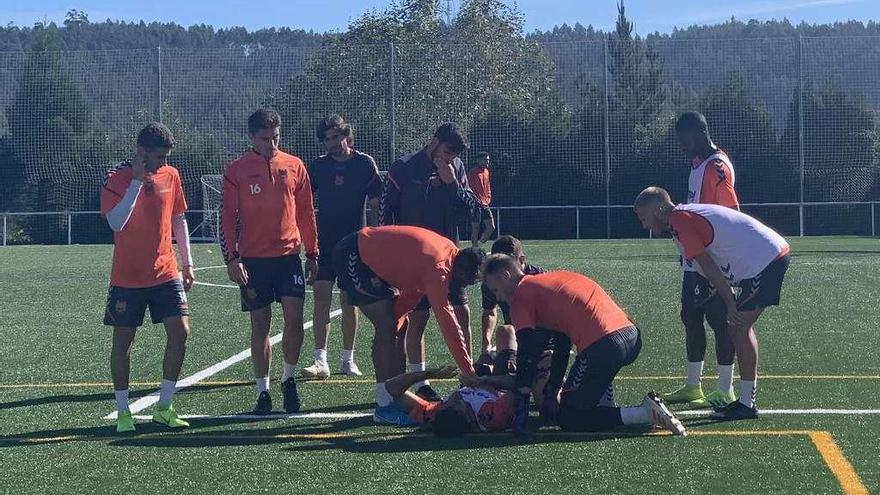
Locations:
558 110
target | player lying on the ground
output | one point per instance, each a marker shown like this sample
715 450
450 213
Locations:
711 181
606 341
468 409
143 203
731 249
385 271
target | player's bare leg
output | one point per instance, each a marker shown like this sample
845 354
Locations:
261 355
176 334
291 345
415 352
746 343
349 332
725 353
120 362
695 347
323 291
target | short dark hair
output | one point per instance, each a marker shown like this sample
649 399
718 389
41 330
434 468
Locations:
497 263
450 423
692 122
449 134
468 261
333 122
155 135
509 245
263 119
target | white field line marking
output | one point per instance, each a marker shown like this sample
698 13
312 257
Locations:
229 286
268 416
839 412
149 400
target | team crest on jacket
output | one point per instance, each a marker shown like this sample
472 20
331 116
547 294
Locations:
340 180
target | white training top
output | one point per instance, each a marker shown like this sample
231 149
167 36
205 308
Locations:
740 245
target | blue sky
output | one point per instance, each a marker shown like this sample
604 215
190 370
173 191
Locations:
329 15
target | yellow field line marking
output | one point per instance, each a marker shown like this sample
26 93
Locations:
838 463
370 380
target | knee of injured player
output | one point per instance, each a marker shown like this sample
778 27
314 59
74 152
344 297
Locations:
454 418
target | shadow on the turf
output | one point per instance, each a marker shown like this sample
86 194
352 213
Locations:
103 396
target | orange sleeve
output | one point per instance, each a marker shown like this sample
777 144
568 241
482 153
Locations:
693 232
305 213
115 184
718 186
229 215
438 296
179 197
488 189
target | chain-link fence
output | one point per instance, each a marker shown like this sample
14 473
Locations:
575 130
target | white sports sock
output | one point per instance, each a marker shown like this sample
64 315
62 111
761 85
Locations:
321 355
639 415
262 385
288 372
383 398
694 373
166 392
121 400
725 378
747 391
348 355
417 367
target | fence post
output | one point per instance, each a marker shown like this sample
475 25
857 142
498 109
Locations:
4 229
872 220
577 219
801 130
498 222
607 145
159 83
392 102
69 229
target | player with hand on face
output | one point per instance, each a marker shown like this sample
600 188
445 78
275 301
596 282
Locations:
144 205
430 189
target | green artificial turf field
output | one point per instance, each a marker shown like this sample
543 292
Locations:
819 390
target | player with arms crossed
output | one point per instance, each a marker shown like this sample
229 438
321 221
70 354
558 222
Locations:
266 217
385 271
730 249
606 340
144 204
429 189
343 179
711 181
